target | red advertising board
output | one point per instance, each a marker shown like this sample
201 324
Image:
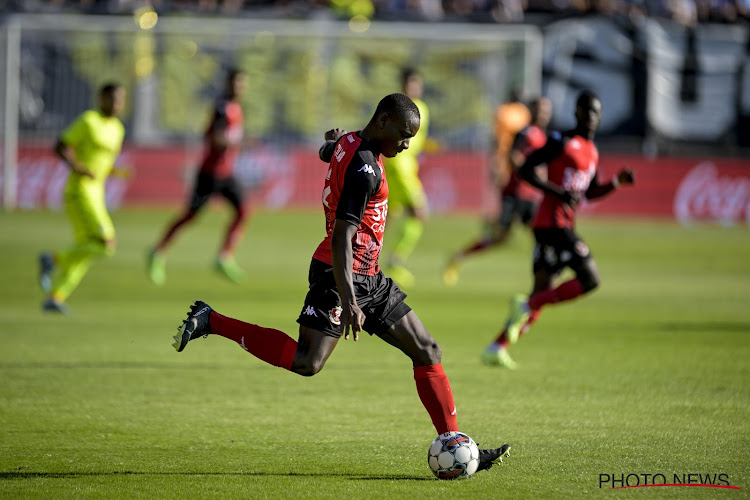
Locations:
688 189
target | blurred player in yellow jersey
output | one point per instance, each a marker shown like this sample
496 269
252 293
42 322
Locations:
406 194
89 147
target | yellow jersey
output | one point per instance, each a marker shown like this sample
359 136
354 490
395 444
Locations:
96 140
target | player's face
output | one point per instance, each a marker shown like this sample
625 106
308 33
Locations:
396 133
238 85
543 112
112 103
413 87
589 114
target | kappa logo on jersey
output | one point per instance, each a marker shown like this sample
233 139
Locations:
309 311
350 137
339 152
367 168
335 315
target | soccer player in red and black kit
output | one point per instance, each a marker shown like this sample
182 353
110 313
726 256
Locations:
572 160
223 138
348 291
519 200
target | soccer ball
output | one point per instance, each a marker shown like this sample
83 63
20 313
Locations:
453 455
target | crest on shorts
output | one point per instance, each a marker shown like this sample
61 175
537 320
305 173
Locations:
335 315
581 248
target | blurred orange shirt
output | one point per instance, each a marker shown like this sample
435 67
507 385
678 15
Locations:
510 119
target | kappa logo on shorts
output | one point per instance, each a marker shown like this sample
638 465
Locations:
581 248
309 311
335 315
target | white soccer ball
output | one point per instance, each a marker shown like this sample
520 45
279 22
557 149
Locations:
453 455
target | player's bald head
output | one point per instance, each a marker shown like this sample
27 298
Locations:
587 99
399 107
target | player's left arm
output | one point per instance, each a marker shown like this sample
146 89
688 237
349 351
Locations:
342 259
624 177
121 171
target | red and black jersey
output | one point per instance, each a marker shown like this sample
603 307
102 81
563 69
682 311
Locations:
572 168
219 161
356 192
528 140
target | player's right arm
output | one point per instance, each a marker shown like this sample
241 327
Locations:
332 136
551 150
67 155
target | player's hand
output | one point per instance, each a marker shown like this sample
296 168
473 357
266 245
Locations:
570 198
626 177
352 316
83 172
334 134
122 173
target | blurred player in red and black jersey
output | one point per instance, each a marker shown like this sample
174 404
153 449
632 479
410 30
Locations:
223 139
348 291
572 160
519 200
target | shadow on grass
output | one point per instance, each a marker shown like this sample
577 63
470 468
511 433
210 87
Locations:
706 326
115 365
75 475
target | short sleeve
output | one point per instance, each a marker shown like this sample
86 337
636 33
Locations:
361 181
76 132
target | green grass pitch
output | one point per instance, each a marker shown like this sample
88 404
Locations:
649 375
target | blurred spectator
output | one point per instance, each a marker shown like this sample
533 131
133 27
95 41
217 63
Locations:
685 12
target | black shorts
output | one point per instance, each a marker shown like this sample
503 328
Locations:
558 248
516 208
207 185
380 299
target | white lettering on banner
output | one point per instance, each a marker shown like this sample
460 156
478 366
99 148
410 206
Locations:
720 50
607 70
41 182
702 193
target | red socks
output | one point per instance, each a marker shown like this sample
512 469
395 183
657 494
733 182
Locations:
269 345
566 291
434 390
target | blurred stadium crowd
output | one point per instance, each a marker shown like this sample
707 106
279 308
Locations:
686 12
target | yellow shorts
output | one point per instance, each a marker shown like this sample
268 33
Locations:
89 217
404 187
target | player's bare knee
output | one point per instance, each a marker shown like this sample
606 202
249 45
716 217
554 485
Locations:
429 354
308 367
